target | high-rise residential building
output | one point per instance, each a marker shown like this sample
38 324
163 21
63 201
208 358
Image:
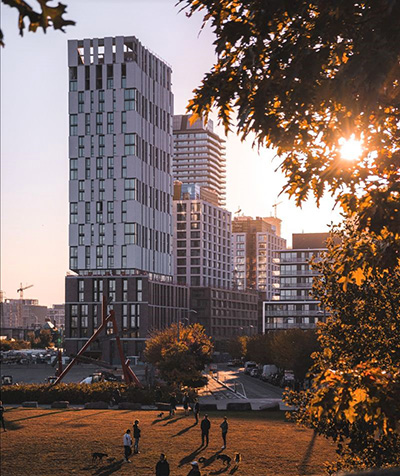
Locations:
120 148
202 240
293 306
254 244
199 155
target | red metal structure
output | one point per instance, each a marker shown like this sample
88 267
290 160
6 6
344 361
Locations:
129 375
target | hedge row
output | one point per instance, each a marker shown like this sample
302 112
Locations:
77 393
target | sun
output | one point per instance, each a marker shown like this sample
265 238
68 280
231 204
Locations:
350 149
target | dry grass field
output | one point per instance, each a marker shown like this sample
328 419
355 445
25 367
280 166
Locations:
60 442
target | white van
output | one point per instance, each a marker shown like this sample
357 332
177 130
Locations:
268 370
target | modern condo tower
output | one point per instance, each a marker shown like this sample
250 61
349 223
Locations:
120 234
199 156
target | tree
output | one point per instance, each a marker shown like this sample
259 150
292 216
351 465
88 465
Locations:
259 349
42 340
180 362
301 76
292 350
355 395
47 16
237 347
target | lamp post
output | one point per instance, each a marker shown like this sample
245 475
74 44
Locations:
184 319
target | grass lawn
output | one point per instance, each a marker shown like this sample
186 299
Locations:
60 442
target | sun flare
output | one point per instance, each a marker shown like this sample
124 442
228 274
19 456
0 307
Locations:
350 149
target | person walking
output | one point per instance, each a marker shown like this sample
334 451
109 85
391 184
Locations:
172 405
205 429
224 429
196 411
162 467
195 471
136 436
127 445
2 416
185 403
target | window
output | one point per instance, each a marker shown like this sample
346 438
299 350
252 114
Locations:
84 318
73 257
123 256
123 167
99 167
81 101
91 146
101 189
125 316
87 212
102 234
74 316
73 124
87 257
81 290
81 190
73 78
110 122
181 207
110 76
130 233
110 167
99 256
130 189
99 76
81 146
73 212
135 316
114 144
101 101
114 96
123 122
123 75
130 99
87 168
110 212
87 124
99 212
101 145
123 211
110 261
73 169
99 123
130 144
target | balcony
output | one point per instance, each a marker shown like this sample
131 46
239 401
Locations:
288 313
291 325
303 272
294 285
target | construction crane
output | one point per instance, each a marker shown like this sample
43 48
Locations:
22 289
275 206
21 297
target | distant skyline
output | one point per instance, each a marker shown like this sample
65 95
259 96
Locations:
34 133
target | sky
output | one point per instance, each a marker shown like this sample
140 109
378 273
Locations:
34 136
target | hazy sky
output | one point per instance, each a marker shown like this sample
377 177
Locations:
34 132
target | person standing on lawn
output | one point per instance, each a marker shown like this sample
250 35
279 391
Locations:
136 436
162 467
196 410
185 403
2 416
172 405
224 429
127 445
205 429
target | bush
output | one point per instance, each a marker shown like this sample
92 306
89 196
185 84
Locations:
75 393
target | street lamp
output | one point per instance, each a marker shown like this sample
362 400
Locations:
184 319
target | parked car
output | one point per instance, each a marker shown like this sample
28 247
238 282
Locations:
248 366
234 363
255 372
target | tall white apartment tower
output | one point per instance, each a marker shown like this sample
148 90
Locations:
199 156
120 148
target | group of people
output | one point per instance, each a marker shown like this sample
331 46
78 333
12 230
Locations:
162 467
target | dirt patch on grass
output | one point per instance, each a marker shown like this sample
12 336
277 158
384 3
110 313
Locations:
49 442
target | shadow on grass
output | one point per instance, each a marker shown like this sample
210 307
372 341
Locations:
39 416
11 426
307 455
105 470
224 469
234 469
207 461
174 420
158 420
74 419
189 458
184 430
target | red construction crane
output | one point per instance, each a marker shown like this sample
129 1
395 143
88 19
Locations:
21 297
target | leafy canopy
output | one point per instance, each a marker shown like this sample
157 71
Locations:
355 394
47 16
300 76
180 361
